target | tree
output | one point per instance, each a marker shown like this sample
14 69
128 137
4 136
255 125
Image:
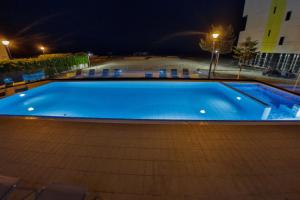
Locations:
244 52
223 45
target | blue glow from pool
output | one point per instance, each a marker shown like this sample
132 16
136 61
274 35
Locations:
142 100
284 105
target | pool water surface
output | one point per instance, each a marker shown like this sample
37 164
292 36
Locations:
154 100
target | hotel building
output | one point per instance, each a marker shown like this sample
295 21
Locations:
275 24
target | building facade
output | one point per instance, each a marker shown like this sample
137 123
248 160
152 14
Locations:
275 24
3 52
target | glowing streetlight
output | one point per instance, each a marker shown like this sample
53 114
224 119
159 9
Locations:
6 45
42 48
5 42
214 36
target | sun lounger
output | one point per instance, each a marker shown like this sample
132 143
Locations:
34 76
105 73
162 73
92 72
8 82
148 75
59 191
174 73
7 185
117 73
78 73
185 73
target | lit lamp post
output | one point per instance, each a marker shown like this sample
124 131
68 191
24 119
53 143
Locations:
43 49
215 36
6 45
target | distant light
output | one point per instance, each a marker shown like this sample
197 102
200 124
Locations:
22 95
239 98
217 51
5 42
30 109
215 35
202 111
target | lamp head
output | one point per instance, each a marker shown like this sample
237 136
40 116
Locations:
5 42
215 35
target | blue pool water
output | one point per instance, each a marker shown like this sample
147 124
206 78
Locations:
146 101
284 105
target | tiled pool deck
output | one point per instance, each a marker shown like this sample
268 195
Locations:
155 161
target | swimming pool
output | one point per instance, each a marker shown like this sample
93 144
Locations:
145 100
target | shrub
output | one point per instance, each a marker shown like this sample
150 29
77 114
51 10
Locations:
51 64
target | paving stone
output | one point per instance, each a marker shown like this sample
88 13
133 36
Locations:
156 161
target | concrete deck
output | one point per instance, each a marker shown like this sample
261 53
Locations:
155 161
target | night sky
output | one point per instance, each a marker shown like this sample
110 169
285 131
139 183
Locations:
118 26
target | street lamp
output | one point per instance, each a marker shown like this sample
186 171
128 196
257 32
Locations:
6 45
215 36
42 49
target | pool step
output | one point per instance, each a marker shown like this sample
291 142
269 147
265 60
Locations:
296 111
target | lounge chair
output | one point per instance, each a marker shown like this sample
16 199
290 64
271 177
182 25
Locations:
174 73
21 88
7 185
34 76
61 192
185 73
92 72
117 73
148 75
162 73
8 82
78 73
105 73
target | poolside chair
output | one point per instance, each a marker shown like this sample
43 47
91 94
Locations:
185 73
34 76
162 73
148 75
105 73
78 73
7 185
92 72
117 73
59 191
174 73
8 82
21 88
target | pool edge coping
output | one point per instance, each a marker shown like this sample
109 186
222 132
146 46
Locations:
137 121
161 121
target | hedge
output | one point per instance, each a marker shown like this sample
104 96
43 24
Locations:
51 64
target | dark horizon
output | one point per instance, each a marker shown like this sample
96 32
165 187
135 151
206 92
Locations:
116 26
